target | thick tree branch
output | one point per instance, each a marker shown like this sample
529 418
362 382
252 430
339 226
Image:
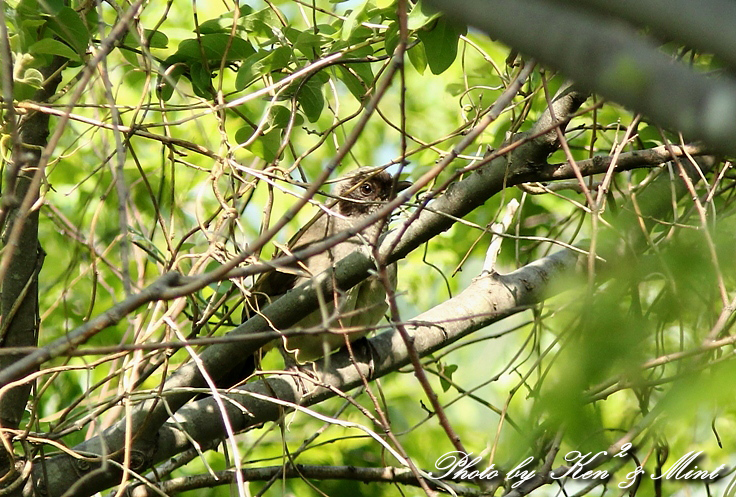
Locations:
362 474
523 290
461 198
485 301
600 164
19 298
611 59
706 24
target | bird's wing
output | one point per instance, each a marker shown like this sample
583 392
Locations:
273 284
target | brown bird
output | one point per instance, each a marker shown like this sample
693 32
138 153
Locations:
360 194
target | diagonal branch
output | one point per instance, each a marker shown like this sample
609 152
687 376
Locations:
458 200
613 60
486 300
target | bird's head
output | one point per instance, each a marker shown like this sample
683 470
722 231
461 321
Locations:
362 192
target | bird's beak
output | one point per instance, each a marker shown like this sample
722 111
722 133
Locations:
402 185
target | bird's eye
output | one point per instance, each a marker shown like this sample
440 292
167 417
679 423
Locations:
366 189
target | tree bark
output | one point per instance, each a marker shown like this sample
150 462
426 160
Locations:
19 297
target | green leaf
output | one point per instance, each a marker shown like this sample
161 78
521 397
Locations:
360 35
243 134
309 43
91 18
34 8
420 16
384 4
135 79
265 146
156 39
327 30
279 58
32 24
262 23
201 80
131 57
279 116
25 87
31 77
48 46
455 89
311 99
224 23
214 47
362 69
418 58
447 370
248 70
167 82
364 72
440 44
351 22
261 63
391 40
650 135
69 27
352 29
353 83
23 91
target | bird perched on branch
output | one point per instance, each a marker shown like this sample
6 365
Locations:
360 194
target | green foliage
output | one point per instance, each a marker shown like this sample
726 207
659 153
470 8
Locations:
441 42
153 39
221 123
48 46
260 64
